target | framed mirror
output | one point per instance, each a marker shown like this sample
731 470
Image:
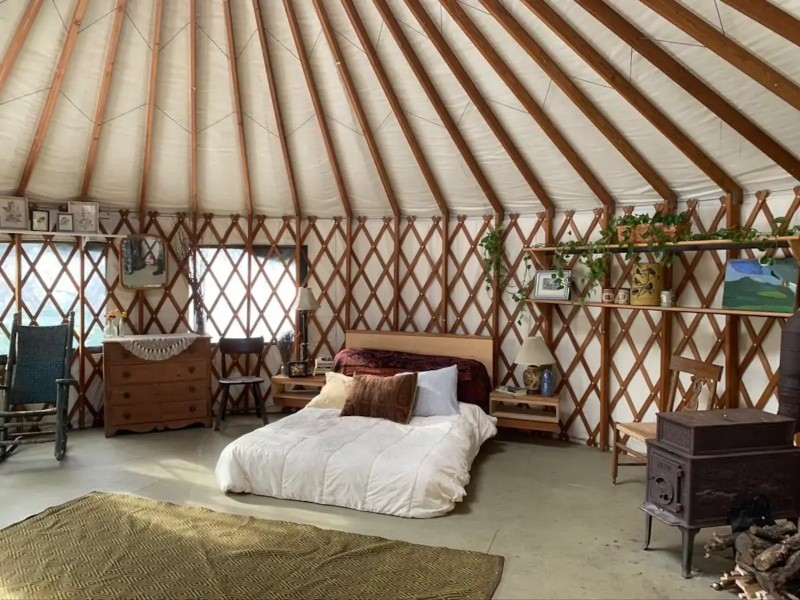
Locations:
143 262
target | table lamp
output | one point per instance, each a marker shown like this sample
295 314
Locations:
535 354
304 304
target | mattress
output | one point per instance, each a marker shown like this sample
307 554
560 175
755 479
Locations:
419 469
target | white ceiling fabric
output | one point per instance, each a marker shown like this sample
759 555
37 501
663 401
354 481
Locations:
116 181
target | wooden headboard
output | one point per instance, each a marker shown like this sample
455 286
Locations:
435 344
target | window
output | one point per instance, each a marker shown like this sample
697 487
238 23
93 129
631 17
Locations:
273 287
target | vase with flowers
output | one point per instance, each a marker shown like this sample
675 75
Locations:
111 329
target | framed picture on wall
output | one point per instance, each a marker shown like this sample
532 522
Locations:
548 286
13 213
86 216
40 220
64 222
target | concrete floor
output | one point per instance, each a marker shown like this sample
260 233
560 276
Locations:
548 507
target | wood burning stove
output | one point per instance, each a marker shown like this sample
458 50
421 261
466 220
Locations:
705 465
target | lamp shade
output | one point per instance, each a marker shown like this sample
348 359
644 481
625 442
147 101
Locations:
534 352
305 300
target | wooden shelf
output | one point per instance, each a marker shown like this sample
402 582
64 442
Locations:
679 309
525 414
67 234
526 399
792 242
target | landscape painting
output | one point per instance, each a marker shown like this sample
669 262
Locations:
750 285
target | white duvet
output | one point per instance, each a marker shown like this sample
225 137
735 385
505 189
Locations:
415 470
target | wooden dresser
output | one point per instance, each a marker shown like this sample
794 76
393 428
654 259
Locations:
156 392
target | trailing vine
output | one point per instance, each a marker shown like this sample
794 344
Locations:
495 268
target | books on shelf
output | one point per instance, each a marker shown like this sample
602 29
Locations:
511 390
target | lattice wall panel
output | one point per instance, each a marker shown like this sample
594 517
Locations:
372 282
520 232
470 304
420 281
8 276
325 240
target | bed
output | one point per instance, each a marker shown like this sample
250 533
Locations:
419 469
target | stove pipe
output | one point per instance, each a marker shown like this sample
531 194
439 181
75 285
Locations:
789 384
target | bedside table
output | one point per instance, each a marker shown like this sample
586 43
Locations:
285 395
529 412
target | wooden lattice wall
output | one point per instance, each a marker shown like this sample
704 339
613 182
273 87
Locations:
411 292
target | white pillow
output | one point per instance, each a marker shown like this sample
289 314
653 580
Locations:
334 393
437 392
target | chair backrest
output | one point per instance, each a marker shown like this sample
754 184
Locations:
37 357
703 374
238 347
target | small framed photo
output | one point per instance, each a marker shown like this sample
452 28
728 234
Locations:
65 222
298 368
548 286
40 220
13 213
86 216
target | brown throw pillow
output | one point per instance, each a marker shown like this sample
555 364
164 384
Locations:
382 397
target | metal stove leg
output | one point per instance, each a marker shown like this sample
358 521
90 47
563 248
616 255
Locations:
688 550
648 530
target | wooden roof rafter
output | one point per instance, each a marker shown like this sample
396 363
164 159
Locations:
355 103
318 110
770 16
18 41
237 103
627 90
727 49
151 107
105 85
52 95
480 103
580 100
529 103
397 108
276 107
663 61
441 110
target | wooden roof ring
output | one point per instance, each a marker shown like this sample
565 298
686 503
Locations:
99 115
18 41
727 49
581 100
526 99
151 106
770 16
237 101
52 95
276 107
318 111
397 108
480 103
430 90
639 41
627 90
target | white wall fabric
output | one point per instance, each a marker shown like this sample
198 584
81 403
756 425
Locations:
117 176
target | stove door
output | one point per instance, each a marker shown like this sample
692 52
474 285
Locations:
665 482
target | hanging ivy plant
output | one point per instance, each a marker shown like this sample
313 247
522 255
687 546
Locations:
495 268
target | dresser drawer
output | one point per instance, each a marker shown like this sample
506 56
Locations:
115 354
163 392
119 416
155 372
189 409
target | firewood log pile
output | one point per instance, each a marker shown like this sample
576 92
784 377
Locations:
767 561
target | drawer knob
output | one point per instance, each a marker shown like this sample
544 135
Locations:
126 374
126 415
191 369
192 388
126 395
192 408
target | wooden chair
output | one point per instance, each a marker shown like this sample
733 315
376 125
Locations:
236 348
703 374
39 361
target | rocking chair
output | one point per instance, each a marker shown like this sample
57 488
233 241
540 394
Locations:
38 373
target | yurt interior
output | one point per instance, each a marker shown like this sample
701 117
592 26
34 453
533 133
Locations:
399 299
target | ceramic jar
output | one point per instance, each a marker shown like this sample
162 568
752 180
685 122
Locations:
648 281
623 296
608 295
667 298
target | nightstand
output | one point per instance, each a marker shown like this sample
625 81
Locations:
285 394
530 412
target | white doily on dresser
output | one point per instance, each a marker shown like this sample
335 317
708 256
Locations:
155 347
